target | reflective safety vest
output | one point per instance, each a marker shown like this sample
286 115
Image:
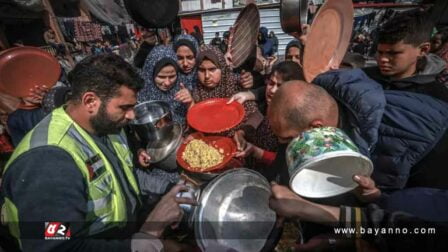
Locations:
106 206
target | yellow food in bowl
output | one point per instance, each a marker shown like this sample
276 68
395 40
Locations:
201 156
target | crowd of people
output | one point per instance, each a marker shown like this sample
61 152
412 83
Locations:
76 162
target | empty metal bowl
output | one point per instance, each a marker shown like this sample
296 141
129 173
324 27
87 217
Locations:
153 122
234 213
163 152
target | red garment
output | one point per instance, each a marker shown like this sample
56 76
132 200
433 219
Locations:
137 33
268 157
5 144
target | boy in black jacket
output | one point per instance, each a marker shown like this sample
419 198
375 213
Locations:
403 58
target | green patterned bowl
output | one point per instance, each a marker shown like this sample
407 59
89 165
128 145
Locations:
322 161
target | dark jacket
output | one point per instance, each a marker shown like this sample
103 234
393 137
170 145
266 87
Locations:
51 187
266 44
21 121
431 80
396 129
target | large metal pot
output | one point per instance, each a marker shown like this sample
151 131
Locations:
164 157
233 212
293 15
153 123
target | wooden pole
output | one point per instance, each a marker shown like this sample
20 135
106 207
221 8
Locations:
55 26
53 21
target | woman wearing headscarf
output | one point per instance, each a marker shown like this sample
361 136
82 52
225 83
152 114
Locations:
186 48
216 80
161 76
439 45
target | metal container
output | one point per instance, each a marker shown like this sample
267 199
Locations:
322 161
234 213
194 192
293 15
153 123
163 152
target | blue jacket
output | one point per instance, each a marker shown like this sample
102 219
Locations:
396 129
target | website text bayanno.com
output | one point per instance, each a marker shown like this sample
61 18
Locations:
385 231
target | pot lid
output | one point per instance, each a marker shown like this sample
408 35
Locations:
234 213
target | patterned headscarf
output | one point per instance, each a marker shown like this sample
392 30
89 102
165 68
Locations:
228 85
443 53
151 92
191 79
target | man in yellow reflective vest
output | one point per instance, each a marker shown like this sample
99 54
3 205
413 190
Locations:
70 183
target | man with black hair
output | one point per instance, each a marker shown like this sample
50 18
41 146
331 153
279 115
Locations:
225 41
198 35
75 169
294 51
216 41
403 58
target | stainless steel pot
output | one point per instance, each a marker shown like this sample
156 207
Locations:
293 15
233 212
153 123
164 157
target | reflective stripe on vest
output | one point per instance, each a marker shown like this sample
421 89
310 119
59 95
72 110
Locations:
106 206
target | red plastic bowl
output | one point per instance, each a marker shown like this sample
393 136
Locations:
218 142
215 115
21 68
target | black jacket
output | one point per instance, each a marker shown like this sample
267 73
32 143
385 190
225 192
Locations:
431 80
